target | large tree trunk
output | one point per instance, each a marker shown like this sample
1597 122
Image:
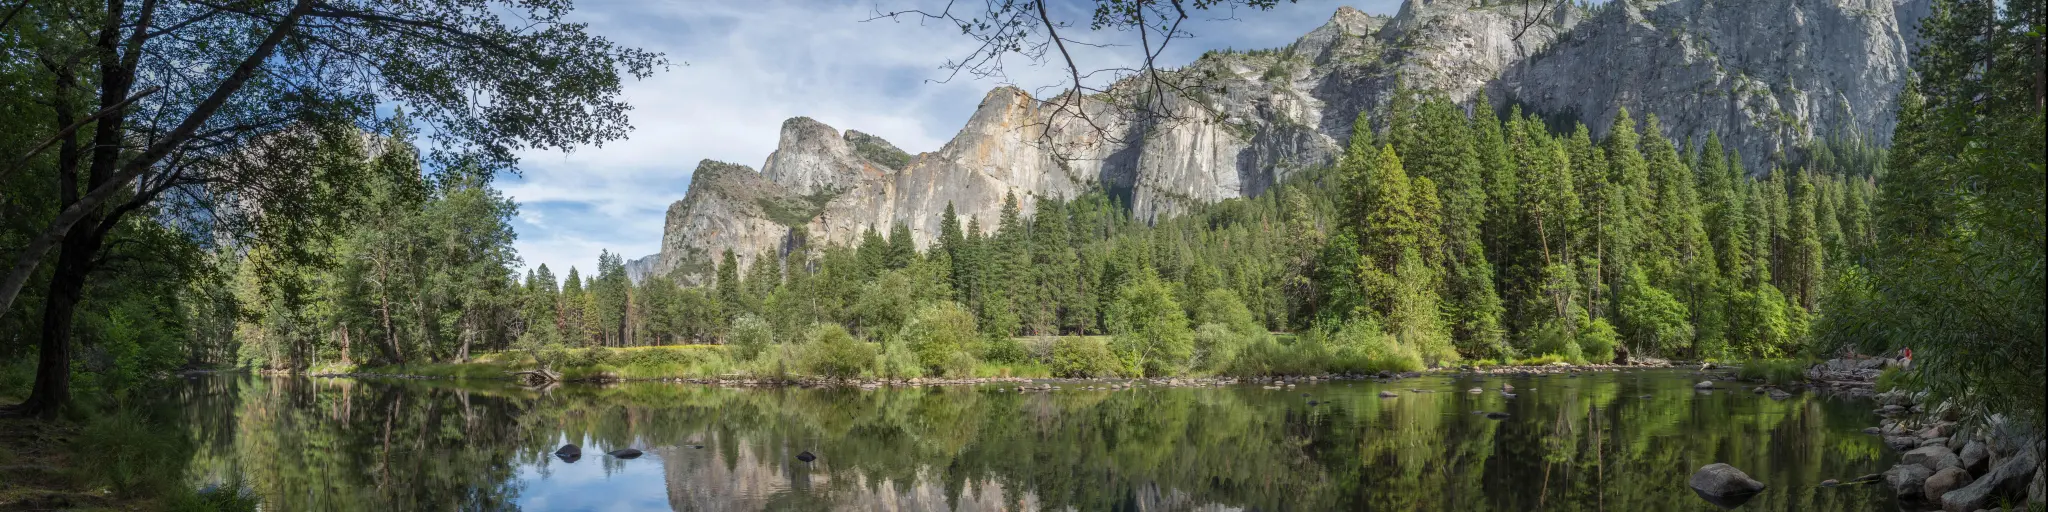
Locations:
53 366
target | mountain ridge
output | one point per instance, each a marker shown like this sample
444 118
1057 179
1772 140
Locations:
1262 115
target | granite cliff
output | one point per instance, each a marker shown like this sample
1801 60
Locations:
1764 74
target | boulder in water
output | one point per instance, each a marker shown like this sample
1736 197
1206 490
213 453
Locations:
1908 481
1705 384
806 457
1723 485
569 453
625 453
1496 415
1388 394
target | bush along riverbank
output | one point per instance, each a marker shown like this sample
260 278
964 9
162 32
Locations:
813 364
1952 458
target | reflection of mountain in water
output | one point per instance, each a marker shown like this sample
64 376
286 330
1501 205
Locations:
1599 441
734 476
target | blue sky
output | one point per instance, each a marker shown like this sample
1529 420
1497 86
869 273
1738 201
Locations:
752 64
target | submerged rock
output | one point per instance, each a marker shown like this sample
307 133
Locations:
1723 485
625 453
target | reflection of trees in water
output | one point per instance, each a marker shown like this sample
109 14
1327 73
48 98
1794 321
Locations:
1588 444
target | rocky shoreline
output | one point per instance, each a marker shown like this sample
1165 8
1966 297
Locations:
1950 460
1048 384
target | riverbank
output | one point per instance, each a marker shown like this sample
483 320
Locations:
100 458
710 364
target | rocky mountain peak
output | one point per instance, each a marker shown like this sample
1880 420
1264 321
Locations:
1765 75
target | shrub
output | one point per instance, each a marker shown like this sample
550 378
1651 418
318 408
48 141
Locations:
1597 340
937 332
960 366
1221 306
831 352
1005 350
897 361
1361 346
1554 338
1038 348
1151 332
1216 346
1084 357
750 335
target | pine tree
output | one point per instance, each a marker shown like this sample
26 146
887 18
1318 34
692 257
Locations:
728 284
902 248
573 305
1804 261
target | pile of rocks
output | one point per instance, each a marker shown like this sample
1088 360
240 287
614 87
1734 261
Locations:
1959 468
1856 376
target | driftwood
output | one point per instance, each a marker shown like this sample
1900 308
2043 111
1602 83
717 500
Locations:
539 377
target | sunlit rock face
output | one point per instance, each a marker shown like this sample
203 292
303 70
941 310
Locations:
1763 74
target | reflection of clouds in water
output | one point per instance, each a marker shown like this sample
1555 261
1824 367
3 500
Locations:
596 483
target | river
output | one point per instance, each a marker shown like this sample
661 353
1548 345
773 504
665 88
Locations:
1600 441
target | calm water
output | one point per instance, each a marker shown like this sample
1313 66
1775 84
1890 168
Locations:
1590 443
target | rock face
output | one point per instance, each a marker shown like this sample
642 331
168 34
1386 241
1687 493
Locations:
1763 75
1723 485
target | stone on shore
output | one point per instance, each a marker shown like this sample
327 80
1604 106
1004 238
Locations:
2008 481
1948 479
1935 458
1908 481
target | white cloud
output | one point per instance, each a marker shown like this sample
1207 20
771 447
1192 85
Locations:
751 65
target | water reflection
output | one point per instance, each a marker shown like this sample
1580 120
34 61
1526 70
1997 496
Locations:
1598 442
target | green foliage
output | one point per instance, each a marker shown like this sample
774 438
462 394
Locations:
1085 356
796 211
1362 346
1222 307
750 336
831 352
1961 256
1555 338
1597 340
1004 351
1151 331
1217 346
897 361
937 333
1654 319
